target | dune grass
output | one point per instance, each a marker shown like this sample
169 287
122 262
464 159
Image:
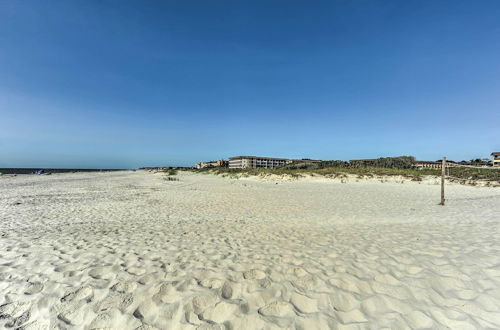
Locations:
327 172
462 173
172 172
469 173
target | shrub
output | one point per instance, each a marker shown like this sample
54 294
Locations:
401 162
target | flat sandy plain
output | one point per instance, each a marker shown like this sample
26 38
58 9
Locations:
130 250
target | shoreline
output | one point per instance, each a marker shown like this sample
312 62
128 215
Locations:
29 170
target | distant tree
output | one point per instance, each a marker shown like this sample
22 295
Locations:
401 162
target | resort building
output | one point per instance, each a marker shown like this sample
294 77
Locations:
212 163
496 159
256 162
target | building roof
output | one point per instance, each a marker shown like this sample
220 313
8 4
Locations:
273 158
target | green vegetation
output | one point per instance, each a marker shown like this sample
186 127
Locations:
331 172
390 166
469 173
172 172
402 162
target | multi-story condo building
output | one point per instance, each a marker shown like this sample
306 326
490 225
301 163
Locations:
256 162
496 159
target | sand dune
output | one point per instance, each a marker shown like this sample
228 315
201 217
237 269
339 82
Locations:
129 250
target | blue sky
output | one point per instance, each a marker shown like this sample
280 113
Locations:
126 84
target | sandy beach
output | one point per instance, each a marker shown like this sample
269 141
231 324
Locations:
130 250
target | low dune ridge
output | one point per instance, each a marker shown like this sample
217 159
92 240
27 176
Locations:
131 250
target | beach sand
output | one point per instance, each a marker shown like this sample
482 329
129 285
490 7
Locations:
130 250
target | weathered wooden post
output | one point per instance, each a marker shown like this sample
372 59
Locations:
443 173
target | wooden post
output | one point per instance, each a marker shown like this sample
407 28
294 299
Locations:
443 173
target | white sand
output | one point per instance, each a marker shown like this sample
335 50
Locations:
130 250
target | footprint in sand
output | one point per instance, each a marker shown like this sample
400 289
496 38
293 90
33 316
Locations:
304 304
212 283
147 311
277 309
299 272
148 278
69 267
119 301
72 316
343 301
200 303
230 291
220 312
83 293
254 274
16 312
103 272
124 287
14 309
36 325
192 318
305 283
136 271
33 288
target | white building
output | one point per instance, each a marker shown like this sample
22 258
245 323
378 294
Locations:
212 163
256 162
496 159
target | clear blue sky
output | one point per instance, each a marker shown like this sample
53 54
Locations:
143 83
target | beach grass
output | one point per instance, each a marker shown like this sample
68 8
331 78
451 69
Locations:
172 172
463 173
470 173
327 172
